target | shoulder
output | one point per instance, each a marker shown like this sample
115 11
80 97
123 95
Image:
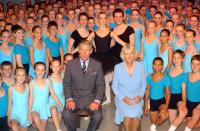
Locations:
130 29
119 66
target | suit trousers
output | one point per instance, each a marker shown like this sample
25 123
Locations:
95 118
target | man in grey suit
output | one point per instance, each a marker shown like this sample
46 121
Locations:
84 87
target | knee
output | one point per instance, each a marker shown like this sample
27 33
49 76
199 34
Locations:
196 114
13 125
98 117
53 110
67 114
182 114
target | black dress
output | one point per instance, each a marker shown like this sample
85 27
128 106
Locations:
77 39
117 48
103 52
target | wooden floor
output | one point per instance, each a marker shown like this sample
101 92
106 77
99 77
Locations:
108 124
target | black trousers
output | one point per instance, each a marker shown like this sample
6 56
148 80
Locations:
4 124
95 118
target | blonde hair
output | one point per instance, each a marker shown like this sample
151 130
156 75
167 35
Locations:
128 48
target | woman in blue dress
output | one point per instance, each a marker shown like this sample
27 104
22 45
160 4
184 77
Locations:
190 50
57 84
165 51
18 95
30 23
37 51
129 85
149 47
158 17
39 89
44 26
193 91
179 40
6 52
62 32
138 28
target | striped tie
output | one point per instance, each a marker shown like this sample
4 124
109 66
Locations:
84 68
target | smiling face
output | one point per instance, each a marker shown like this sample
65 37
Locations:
189 37
102 19
169 26
118 17
6 70
164 38
177 59
157 66
135 15
40 71
20 76
19 35
5 37
55 66
195 64
38 33
83 21
84 51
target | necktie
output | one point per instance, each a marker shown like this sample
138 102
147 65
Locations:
84 68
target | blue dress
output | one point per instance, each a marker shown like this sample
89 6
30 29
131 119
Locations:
175 47
58 89
193 90
176 82
150 52
5 57
23 52
41 100
28 41
64 39
19 111
4 101
54 47
164 56
39 56
158 32
187 63
138 37
131 86
157 88
197 45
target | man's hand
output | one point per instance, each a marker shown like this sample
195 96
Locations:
94 106
70 104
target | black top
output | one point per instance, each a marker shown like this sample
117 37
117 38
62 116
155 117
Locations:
102 43
77 37
125 37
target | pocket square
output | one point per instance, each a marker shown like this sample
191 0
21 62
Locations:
93 73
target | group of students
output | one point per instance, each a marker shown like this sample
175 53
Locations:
38 41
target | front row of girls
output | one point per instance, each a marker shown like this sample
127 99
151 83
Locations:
174 95
35 102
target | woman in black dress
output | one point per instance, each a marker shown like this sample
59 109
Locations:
103 38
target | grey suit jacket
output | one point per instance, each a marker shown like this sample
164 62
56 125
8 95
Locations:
84 88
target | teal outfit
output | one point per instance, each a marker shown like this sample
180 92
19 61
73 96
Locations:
157 88
23 52
197 45
158 32
44 37
41 100
19 111
39 56
164 56
58 89
64 39
138 37
187 63
5 57
176 82
4 101
150 52
193 90
54 47
28 41
175 47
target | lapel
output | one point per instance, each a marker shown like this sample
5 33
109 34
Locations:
79 68
89 68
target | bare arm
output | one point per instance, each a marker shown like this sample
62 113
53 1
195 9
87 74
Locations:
71 43
30 100
91 36
49 55
31 52
9 104
167 96
18 60
170 54
184 93
117 39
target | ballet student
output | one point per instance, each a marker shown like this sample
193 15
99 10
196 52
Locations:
39 89
159 93
18 95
